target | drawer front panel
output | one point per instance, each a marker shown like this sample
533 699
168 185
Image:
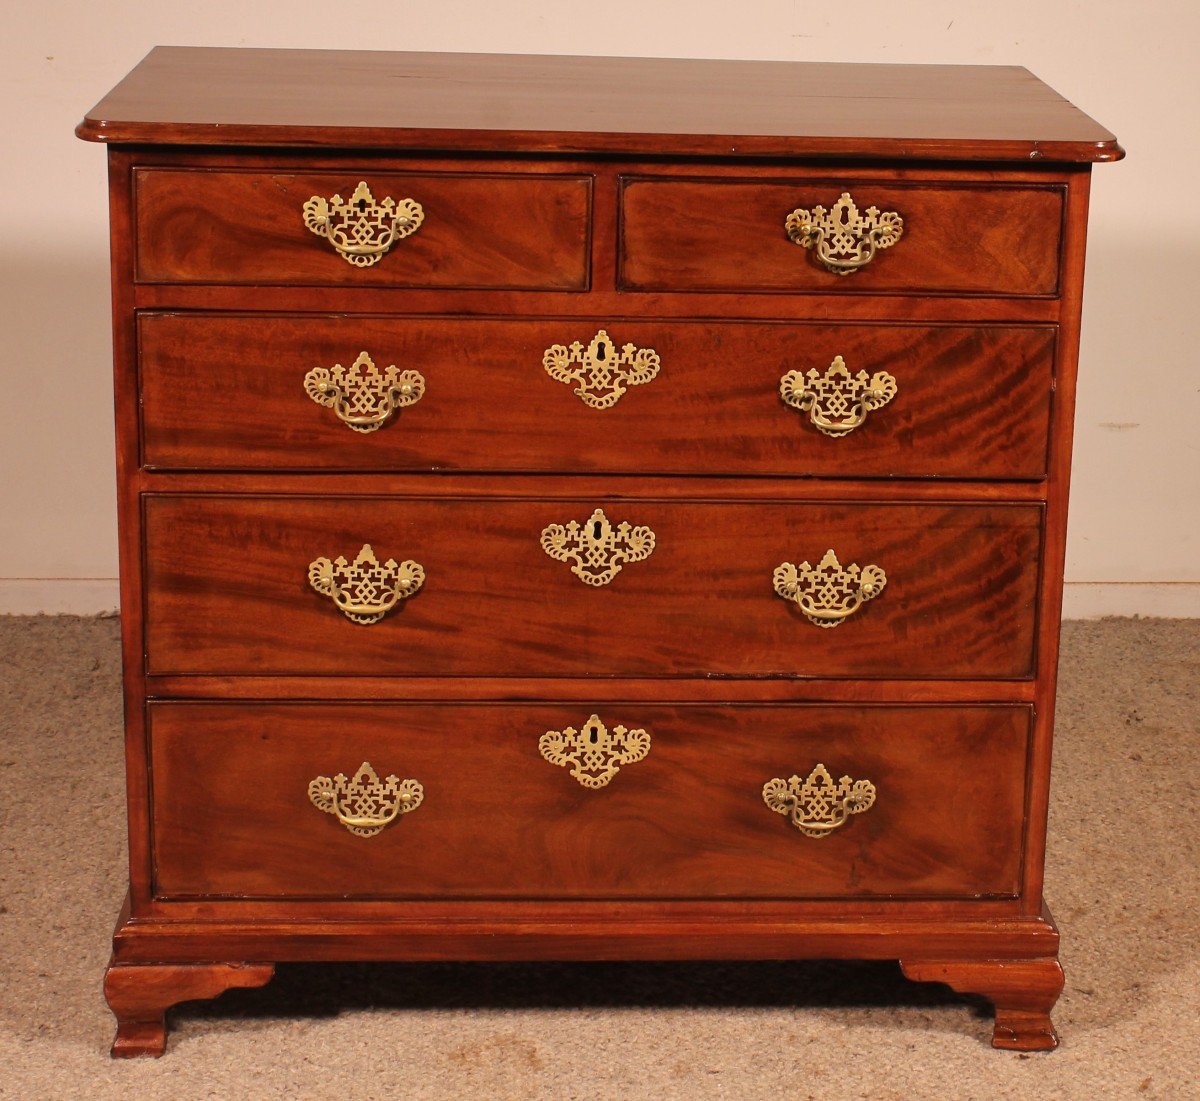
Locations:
233 816
221 392
228 588
730 236
515 231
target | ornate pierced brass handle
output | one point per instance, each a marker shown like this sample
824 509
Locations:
836 401
365 804
844 238
361 229
597 549
362 396
603 374
594 753
817 806
365 590
828 592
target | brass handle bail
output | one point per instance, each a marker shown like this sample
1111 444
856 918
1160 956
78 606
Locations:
365 804
837 402
828 592
362 396
844 238
366 589
362 230
817 806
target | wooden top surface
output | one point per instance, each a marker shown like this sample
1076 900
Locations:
639 106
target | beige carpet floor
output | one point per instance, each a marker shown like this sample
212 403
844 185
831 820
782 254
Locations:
1122 881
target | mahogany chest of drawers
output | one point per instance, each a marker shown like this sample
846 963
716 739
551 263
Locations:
590 509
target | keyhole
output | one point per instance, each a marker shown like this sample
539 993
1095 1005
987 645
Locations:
596 529
593 735
601 351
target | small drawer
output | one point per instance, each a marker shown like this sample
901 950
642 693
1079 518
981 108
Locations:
363 227
275 801
733 235
494 587
262 392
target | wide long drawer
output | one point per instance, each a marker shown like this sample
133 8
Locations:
400 586
528 231
749 235
562 801
407 394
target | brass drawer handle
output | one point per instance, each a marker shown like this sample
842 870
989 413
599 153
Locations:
603 373
828 592
837 402
362 230
594 753
817 806
365 590
362 396
845 238
365 804
597 549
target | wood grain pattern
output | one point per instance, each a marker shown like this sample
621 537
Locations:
1054 551
1022 991
547 930
241 97
526 231
714 689
567 487
729 235
129 511
227 590
601 303
222 392
214 540
140 995
603 299
232 815
502 914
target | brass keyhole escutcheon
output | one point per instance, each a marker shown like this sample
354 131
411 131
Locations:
594 754
597 548
600 373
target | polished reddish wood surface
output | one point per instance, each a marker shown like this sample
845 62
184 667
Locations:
221 392
446 484
548 929
140 995
207 96
528 231
232 815
729 235
1022 991
295 114
227 589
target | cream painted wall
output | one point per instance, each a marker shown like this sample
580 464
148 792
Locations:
1135 529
